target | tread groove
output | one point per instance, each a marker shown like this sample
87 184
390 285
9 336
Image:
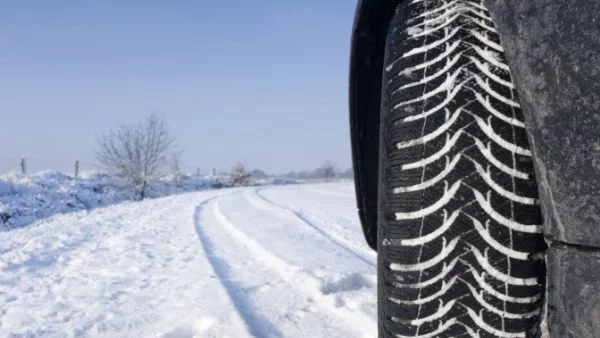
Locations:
459 211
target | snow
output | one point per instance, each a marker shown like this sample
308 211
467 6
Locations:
27 198
269 261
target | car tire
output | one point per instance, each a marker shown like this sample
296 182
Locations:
460 248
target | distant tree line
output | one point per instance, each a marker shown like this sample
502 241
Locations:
327 172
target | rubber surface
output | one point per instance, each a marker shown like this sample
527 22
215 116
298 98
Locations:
459 235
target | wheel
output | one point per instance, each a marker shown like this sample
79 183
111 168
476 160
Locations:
459 230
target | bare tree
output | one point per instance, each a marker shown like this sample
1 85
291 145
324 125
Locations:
138 151
240 175
177 175
326 171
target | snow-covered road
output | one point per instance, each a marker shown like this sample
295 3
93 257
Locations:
286 261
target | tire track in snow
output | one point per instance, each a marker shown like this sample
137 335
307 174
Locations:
331 193
331 237
257 324
329 222
302 283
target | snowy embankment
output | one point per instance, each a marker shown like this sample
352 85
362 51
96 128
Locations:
27 198
286 261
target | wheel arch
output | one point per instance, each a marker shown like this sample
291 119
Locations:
366 63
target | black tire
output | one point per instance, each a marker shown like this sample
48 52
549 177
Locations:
459 228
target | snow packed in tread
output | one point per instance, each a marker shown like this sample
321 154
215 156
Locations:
460 199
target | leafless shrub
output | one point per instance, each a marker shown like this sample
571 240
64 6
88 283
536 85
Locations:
138 151
240 175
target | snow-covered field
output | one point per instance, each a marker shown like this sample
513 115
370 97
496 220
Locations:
281 261
27 198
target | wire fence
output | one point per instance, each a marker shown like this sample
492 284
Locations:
32 165
75 168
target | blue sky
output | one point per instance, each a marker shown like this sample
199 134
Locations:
264 82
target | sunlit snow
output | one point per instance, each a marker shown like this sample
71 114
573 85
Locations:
280 261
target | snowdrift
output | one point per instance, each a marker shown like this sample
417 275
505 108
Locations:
28 198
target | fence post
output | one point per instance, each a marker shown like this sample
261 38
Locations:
23 168
76 168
